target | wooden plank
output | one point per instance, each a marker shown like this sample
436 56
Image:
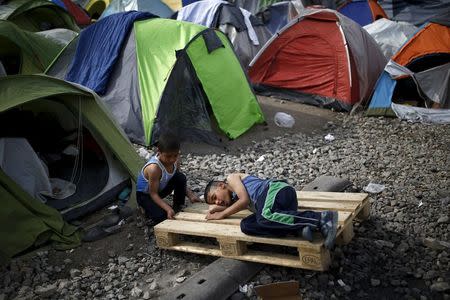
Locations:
278 259
236 220
341 206
330 196
222 231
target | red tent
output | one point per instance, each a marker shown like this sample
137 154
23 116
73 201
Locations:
80 16
321 53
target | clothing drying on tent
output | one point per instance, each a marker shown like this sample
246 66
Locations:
246 32
51 132
170 75
155 7
320 53
37 15
24 52
80 16
414 12
419 73
362 12
390 35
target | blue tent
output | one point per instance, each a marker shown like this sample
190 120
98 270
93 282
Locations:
362 12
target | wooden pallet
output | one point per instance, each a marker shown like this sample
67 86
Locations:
232 243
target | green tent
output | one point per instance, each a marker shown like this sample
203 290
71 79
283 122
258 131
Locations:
37 15
48 114
172 75
24 52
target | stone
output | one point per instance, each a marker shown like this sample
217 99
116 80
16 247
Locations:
135 292
111 253
440 287
146 295
107 288
74 273
181 279
375 282
443 220
45 291
86 273
122 259
154 286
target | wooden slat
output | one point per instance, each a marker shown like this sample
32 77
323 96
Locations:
253 256
330 196
221 231
341 206
236 220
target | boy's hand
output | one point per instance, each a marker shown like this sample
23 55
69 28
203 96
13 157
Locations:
170 214
216 208
214 216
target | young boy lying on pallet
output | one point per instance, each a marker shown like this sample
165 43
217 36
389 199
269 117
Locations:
274 203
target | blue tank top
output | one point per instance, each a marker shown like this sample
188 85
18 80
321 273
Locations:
256 188
142 182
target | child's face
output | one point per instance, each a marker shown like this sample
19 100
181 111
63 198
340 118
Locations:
169 158
219 196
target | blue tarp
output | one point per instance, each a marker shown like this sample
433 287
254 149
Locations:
358 11
98 49
384 89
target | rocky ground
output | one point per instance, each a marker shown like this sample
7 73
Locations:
401 252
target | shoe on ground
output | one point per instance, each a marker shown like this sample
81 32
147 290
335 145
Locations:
328 227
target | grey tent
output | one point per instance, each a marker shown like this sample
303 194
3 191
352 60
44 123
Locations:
246 32
390 35
414 12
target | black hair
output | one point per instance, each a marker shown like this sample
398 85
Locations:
168 142
211 185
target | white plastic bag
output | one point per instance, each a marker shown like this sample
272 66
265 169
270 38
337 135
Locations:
374 188
284 120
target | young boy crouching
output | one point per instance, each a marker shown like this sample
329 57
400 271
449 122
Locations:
161 176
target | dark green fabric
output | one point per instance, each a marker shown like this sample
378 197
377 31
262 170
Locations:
36 52
38 222
25 221
29 14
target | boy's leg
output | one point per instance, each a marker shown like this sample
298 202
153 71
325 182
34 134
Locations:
250 226
177 184
279 211
152 210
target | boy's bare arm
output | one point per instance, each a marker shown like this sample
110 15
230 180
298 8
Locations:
235 184
153 174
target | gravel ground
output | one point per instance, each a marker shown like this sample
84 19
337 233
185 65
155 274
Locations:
401 252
